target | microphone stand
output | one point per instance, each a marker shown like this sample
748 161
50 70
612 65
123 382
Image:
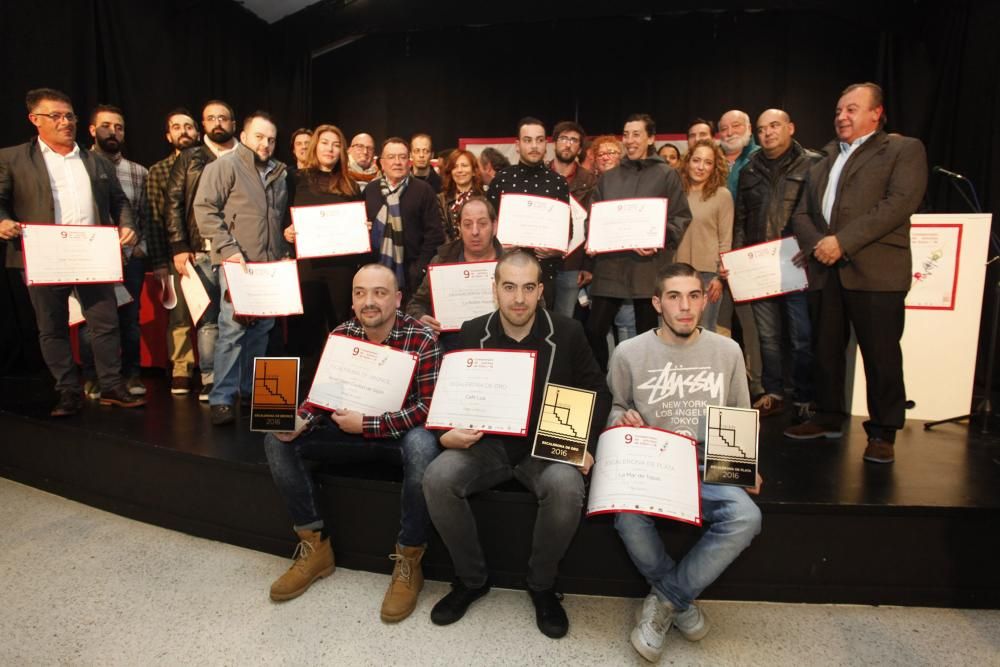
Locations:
984 409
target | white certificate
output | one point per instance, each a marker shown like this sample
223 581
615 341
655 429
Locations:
265 289
484 390
460 292
528 221
328 231
578 216
71 254
936 250
195 295
627 224
646 471
764 270
361 376
76 310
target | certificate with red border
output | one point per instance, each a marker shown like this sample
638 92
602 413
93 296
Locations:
936 252
331 230
358 375
461 291
764 270
529 221
627 224
646 471
71 254
264 289
484 390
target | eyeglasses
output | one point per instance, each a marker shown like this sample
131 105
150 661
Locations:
56 117
392 158
367 149
568 140
607 154
220 118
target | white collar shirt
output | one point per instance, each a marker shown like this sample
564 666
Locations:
846 150
72 193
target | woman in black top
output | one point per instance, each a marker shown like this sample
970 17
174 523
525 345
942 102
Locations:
325 281
460 179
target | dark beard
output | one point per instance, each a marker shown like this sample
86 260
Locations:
109 145
220 136
183 142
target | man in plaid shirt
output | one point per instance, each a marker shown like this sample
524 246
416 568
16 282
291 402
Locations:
349 436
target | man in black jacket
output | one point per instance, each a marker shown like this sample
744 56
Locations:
770 186
474 462
186 242
50 180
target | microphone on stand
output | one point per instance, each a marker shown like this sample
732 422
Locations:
950 174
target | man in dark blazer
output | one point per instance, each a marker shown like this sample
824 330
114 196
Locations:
46 181
854 226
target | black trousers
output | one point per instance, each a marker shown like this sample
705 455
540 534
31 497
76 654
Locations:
877 318
101 312
326 303
602 315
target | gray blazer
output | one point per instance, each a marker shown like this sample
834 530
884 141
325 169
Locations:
26 193
881 186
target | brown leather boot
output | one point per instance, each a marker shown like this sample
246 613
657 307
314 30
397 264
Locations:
407 580
313 559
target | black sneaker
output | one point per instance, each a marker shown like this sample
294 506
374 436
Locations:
453 606
222 414
120 397
70 403
549 614
206 389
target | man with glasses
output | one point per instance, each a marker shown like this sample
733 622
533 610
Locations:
50 180
361 162
530 176
406 218
422 150
186 242
575 270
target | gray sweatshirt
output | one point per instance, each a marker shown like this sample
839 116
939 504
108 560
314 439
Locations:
672 385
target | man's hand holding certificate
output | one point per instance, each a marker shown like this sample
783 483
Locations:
461 291
627 224
265 289
528 221
764 270
331 230
484 390
71 254
361 376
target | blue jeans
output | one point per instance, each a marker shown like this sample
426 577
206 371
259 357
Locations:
767 314
460 473
567 292
327 443
625 321
734 520
208 325
128 326
710 315
235 350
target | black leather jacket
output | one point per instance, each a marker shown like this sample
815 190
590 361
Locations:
765 201
182 230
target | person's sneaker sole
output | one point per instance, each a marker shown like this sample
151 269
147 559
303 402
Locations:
284 597
829 435
698 632
645 651
137 391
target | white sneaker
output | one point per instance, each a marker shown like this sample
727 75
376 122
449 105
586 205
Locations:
653 624
692 623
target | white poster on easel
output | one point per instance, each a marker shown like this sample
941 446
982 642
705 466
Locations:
943 308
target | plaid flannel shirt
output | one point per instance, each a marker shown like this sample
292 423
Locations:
156 198
408 335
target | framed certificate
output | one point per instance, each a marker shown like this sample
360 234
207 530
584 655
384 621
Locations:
275 397
361 376
764 270
331 230
646 471
528 221
564 425
731 446
484 390
264 289
627 224
71 254
460 292
936 252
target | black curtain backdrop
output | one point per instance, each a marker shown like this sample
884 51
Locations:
453 69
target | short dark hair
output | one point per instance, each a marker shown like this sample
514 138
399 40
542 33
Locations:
527 120
878 97
567 126
258 114
38 95
490 211
702 121
302 130
669 145
394 140
645 119
675 270
232 114
497 159
519 257
105 108
178 111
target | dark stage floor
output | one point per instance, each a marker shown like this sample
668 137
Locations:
836 529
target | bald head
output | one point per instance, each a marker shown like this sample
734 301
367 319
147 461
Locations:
774 132
362 150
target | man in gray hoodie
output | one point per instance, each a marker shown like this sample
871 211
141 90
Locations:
241 207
